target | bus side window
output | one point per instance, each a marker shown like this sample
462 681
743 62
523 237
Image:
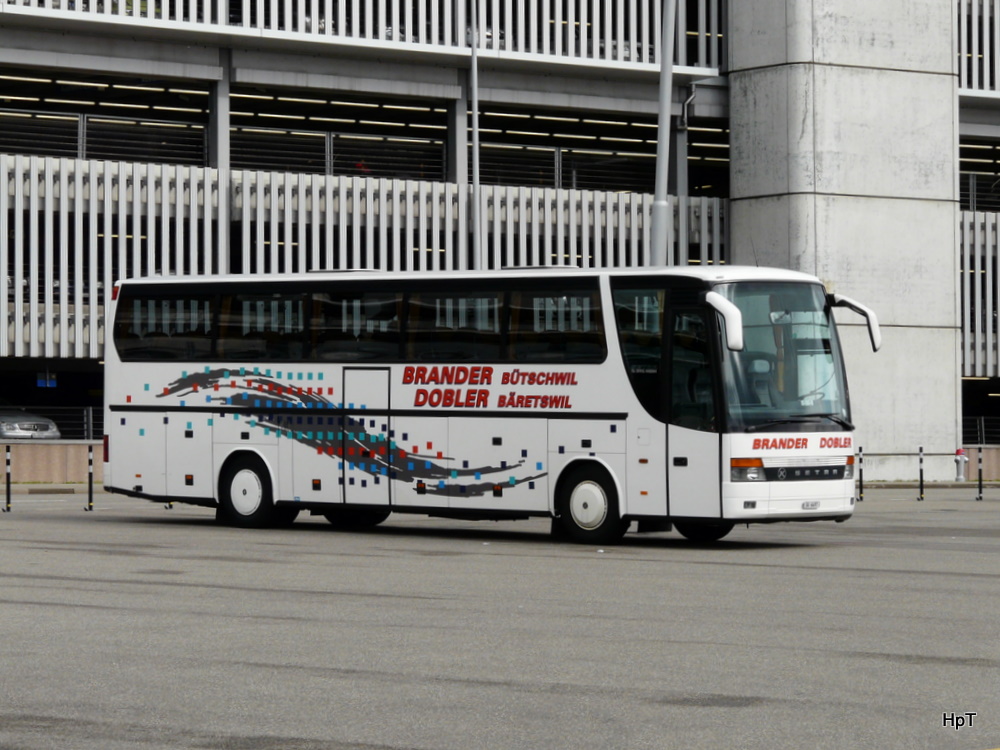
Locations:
454 327
330 339
556 326
262 327
381 334
692 389
128 329
639 315
356 326
164 328
525 342
239 337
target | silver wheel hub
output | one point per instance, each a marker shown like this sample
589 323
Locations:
588 505
246 492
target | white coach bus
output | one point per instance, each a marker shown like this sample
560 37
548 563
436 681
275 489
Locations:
687 398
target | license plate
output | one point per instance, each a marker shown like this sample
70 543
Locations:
810 505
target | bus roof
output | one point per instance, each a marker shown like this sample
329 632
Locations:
708 274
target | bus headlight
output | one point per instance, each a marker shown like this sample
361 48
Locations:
746 470
849 468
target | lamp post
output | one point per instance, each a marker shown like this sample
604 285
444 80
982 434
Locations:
478 262
659 252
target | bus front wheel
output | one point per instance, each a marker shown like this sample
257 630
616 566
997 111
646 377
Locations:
703 532
246 498
588 507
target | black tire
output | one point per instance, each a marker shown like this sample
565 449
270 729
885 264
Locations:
246 498
356 518
587 507
703 532
284 515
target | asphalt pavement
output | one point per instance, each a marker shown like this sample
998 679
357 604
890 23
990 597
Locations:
135 626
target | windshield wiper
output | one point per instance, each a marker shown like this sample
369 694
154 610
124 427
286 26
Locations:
837 420
804 419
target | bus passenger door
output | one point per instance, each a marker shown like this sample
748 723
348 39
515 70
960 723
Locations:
365 435
693 440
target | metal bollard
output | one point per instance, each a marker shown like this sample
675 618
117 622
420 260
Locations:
920 498
979 497
6 507
90 478
861 474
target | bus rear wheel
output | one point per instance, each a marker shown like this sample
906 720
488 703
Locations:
356 518
588 507
703 532
246 498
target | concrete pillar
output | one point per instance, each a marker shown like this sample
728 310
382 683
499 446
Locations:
219 157
844 117
458 141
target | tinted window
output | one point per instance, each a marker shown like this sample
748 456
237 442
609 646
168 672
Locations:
356 326
491 321
262 326
639 315
450 327
692 385
164 327
550 325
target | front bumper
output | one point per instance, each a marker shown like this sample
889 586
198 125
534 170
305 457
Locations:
788 501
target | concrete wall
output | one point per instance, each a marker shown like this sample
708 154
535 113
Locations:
991 464
56 462
844 144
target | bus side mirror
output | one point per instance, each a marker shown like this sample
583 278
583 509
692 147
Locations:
874 333
733 318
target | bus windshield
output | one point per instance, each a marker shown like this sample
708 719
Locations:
790 374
